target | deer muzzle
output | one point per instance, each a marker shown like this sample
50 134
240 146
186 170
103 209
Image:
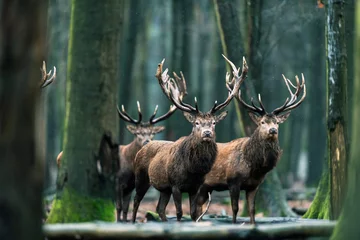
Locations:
273 131
207 135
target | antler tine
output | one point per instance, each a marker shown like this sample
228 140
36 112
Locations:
139 111
163 117
181 82
252 108
289 105
171 88
235 83
46 78
125 116
261 104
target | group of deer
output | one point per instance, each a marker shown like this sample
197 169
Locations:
196 164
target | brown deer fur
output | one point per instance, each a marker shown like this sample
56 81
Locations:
127 153
243 163
144 132
176 167
180 166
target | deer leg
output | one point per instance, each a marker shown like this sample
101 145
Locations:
234 196
199 199
177 200
161 206
140 193
119 203
250 198
126 203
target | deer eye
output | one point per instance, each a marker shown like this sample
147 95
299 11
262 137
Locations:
197 123
213 122
262 122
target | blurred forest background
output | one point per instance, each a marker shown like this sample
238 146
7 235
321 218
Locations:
276 37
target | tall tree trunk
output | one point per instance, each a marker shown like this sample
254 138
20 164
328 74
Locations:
22 50
336 76
316 131
133 21
336 104
348 226
90 111
229 30
54 95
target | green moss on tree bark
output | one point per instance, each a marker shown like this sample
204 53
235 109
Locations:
348 225
91 99
329 199
74 207
320 208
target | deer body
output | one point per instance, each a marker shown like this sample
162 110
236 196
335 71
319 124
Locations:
180 166
242 164
144 133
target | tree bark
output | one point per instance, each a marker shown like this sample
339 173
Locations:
54 95
336 104
90 111
348 226
22 50
337 150
231 39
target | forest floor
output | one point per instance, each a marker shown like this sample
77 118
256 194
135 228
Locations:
220 205
215 208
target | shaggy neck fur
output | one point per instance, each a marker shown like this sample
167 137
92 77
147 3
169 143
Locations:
262 154
196 155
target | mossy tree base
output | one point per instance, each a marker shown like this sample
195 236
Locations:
74 207
320 207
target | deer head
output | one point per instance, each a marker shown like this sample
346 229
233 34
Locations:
144 131
268 123
203 122
46 78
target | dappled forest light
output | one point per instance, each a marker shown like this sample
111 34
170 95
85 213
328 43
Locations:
257 102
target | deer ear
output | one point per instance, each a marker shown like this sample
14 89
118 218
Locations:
158 129
189 117
282 118
254 117
131 128
221 116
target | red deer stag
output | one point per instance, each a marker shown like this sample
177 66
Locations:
180 166
243 163
144 133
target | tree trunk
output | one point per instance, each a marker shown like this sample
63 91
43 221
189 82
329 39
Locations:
54 95
132 23
336 74
90 112
229 30
348 226
316 94
336 104
22 50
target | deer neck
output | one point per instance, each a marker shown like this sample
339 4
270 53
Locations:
261 153
197 155
130 150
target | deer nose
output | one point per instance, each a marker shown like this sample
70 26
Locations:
273 131
207 133
146 141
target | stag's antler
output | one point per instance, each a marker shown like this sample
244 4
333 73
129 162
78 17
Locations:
234 85
125 116
174 89
291 104
46 78
154 120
